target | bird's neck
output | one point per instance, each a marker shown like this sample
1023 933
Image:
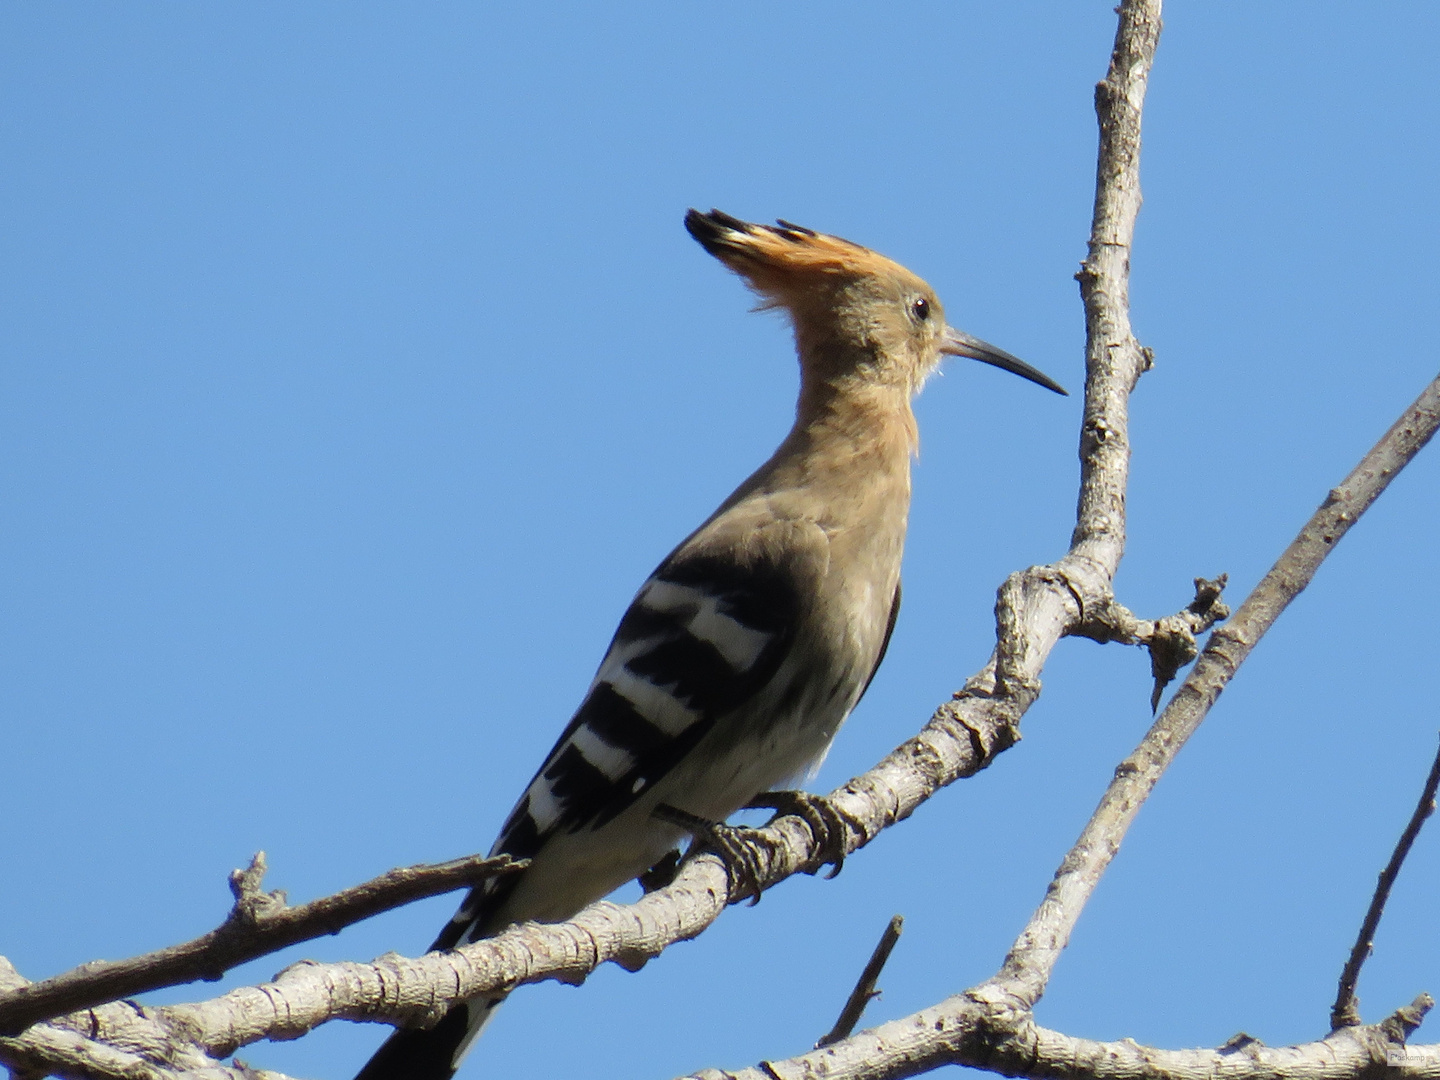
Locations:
852 392
856 415
851 445
844 465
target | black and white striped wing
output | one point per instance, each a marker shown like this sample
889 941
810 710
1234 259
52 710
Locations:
701 638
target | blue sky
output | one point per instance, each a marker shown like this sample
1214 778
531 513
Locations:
357 368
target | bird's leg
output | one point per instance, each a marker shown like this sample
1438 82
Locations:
828 823
735 844
662 873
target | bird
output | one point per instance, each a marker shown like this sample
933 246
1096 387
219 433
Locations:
743 653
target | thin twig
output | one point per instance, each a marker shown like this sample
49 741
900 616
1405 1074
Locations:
260 923
1346 1010
865 990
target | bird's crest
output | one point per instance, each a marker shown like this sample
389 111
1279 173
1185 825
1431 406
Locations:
777 259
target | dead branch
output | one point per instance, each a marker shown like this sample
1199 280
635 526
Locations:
1027 968
865 990
1346 1010
117 1041
259 923
963 1032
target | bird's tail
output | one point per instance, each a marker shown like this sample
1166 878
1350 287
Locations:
433 1053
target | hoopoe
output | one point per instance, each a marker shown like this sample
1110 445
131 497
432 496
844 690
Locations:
742 655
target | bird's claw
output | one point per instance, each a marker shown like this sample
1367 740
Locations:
829 824
734 844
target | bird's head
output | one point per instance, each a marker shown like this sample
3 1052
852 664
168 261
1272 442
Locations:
856 313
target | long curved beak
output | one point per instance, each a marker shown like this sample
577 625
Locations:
959 343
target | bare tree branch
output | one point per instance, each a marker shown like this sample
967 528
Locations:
1346 1010
864 991
117 1041
260 923
1114 359
964 1032
962 737
1027 968
48 1050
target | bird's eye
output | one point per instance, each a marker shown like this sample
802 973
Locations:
921 308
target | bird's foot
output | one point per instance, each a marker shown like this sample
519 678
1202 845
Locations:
735 844
829 824
662 873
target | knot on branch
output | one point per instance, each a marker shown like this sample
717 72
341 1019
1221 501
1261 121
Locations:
1400 1024
989 731
1095 433
634 957
996 1022
1384 1043
1242 1042
1017 663
252 904
1170 640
